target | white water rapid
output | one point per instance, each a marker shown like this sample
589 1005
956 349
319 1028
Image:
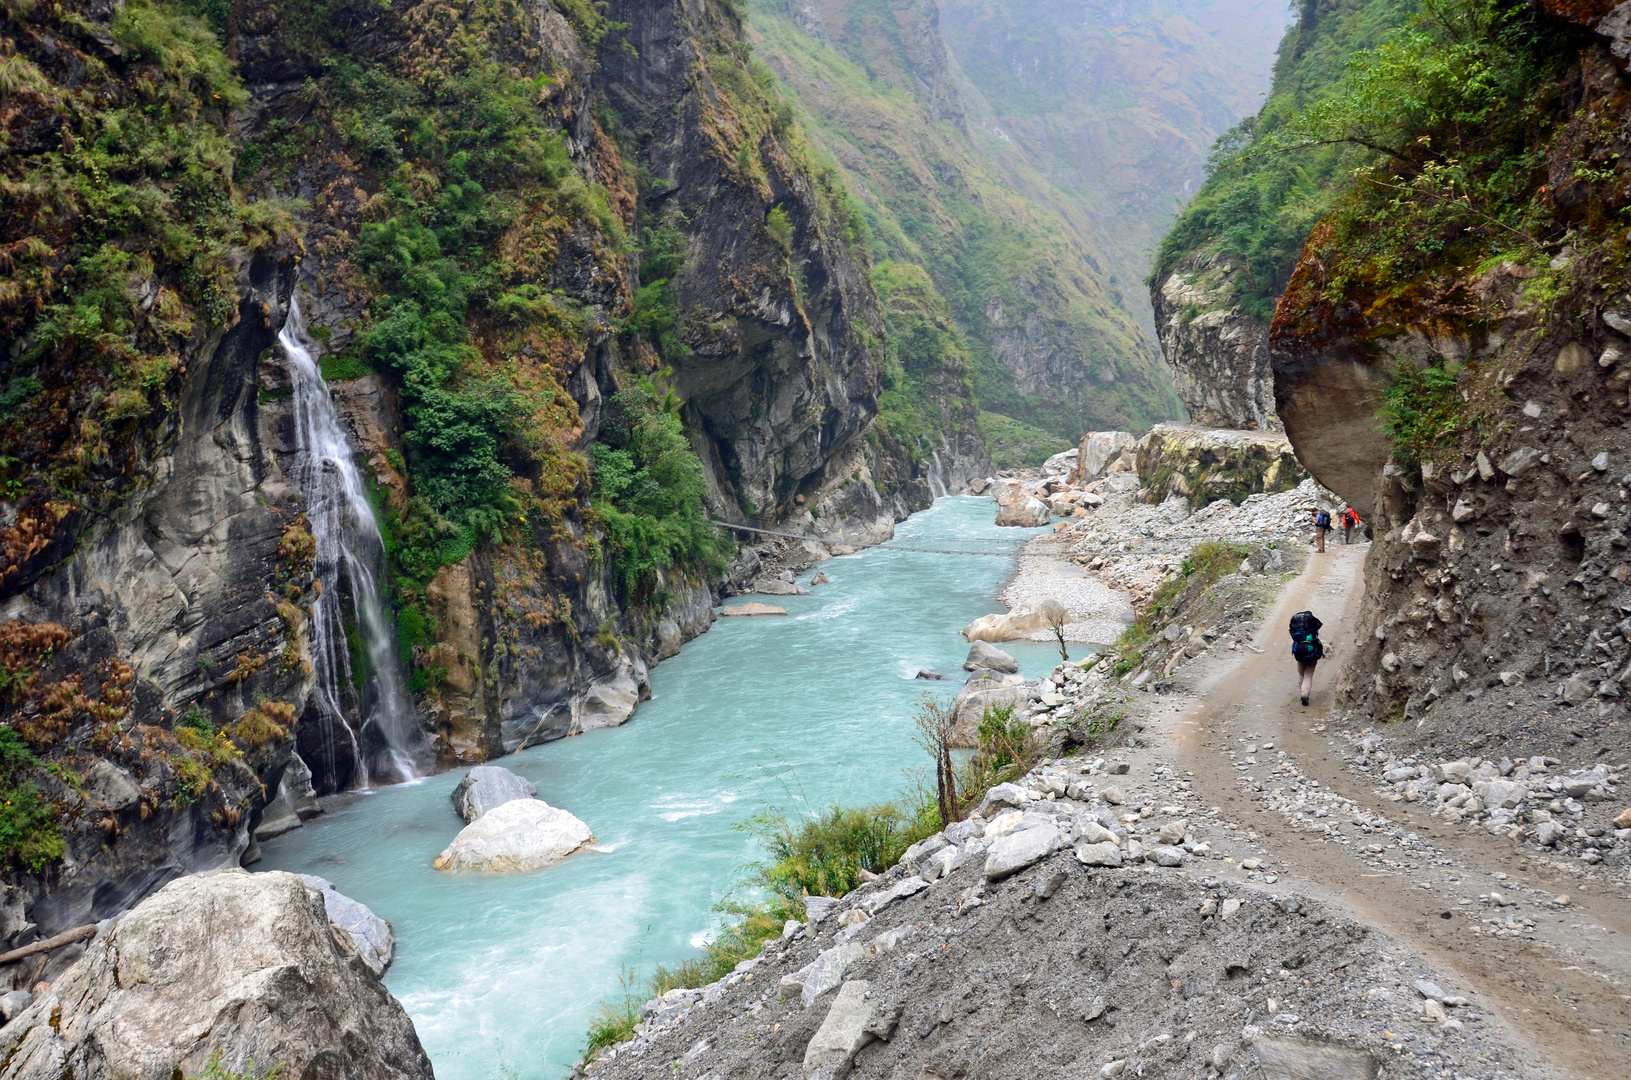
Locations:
349 551
937 478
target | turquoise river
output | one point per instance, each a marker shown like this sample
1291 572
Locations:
503 974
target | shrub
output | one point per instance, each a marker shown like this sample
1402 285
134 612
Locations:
648 487
1421 410
825 855
29 837
779 227
266 723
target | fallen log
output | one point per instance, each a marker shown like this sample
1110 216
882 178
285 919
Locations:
67 937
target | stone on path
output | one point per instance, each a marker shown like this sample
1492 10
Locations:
527 834
1014 852
486 787
1101 854
1165 855
1306 1059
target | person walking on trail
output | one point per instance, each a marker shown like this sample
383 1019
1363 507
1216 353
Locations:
1322 524
1349 521
1306 648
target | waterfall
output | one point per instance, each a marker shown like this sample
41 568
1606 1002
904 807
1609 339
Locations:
349 551
937 478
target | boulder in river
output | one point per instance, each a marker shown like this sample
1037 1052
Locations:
1023 511
242 966
769 586
372 936
1015 625
486 787
984 655
523 835
753 608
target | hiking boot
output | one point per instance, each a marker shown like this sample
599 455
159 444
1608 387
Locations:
1305 702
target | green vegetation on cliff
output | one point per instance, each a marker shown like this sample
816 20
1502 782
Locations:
649 487
1046 338
1261 197
119 219
1115 104
1476 163
471 178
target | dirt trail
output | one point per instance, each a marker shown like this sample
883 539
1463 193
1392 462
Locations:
1564 989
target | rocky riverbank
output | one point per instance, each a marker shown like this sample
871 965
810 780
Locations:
1192 894
1091 919
1106 563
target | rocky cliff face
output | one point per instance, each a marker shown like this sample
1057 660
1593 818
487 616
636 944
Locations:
1225 262
483 302
1497 466
1217 350
1204 466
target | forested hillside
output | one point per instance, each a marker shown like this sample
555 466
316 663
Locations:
1028 288
1115 102
1226 259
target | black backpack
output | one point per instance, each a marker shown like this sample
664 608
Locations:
1305 637
1323 521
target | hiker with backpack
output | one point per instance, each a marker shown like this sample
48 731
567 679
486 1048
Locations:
1350 521
1306 648
1322 523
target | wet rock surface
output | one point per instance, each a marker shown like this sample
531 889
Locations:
516 837
486 787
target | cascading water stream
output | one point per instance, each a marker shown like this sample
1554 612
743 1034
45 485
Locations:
349 549
937 479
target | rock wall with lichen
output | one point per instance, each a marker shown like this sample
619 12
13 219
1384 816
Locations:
1218 351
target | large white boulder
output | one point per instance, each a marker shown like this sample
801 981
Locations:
1060 465
1023 511
1014 625
487 787
244 966
1098 449
527 834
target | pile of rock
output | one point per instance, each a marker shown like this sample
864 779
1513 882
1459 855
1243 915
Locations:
1523 798
1025 934
509 829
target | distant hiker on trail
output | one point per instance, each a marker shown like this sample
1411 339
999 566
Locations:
1350 521
1306 648
1322 525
